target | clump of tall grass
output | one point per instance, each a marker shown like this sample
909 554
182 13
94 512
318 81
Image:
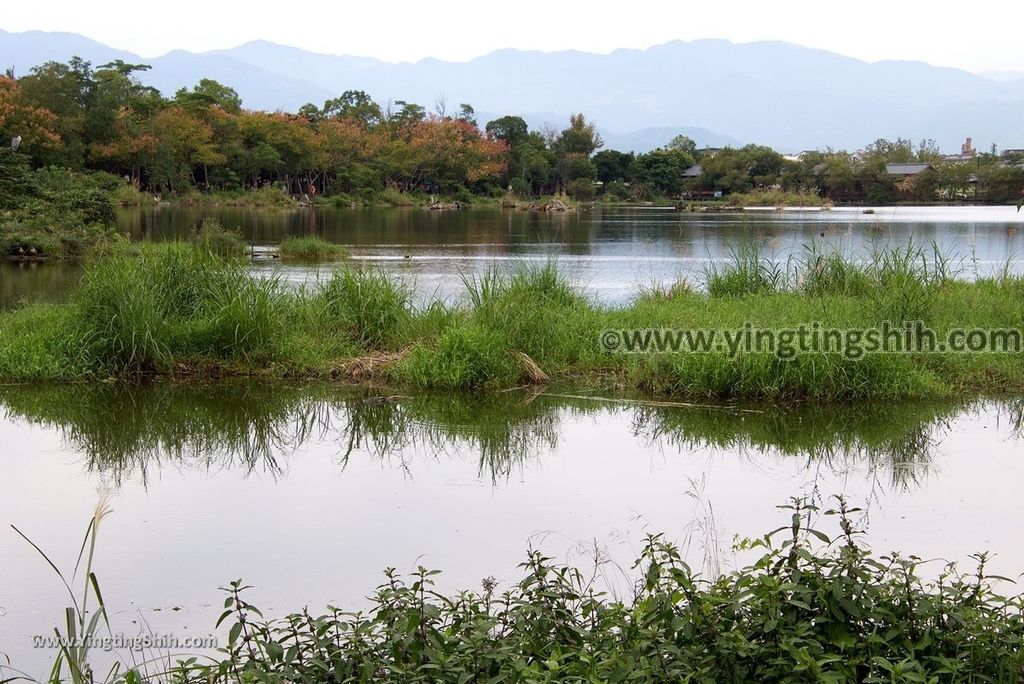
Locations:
658 292
247 317
124 313
819 273
535 309
464 357
907 280
748 271
370 306
309 248
898 282
138 312
211 236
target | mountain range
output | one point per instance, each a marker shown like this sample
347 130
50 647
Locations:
717 92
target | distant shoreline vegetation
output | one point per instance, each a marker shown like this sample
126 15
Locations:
201 146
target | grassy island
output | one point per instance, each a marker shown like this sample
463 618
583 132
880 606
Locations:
182 310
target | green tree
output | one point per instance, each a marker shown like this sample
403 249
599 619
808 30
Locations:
581 137
954 180
66 90
209 93
613 165
683 143
354 105
510 129
661 171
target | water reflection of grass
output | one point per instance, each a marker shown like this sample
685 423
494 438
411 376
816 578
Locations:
122 429
126 431
896 439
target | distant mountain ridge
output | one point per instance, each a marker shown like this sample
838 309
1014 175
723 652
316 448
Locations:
783 95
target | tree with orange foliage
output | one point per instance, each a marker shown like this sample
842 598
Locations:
132 146
183 144
36 126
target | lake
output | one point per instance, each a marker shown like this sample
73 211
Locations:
309 491
608 252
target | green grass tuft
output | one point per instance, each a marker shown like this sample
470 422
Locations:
214 238
369 306
309 248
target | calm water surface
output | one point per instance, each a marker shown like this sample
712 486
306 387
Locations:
609 253
309 492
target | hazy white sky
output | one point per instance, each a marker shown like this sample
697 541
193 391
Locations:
977 36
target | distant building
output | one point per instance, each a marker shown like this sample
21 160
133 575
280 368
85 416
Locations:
694 171
708 151
905 170
799 156
967 149
1013 156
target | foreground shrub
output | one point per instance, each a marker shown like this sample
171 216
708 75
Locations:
54 213
827 611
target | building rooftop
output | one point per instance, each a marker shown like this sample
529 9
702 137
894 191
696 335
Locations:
907 169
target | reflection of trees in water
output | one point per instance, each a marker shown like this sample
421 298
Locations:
502 431
1011 413
898 440
122 431
36 282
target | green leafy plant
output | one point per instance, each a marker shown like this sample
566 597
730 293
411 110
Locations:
810 609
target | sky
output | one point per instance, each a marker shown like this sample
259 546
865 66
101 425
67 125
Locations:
973 36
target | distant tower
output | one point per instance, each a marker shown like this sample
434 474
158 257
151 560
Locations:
967 149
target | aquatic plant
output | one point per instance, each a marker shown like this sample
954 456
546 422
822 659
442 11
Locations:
309 248
747 271
366 304
213 237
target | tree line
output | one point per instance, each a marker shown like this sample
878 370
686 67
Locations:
75 116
